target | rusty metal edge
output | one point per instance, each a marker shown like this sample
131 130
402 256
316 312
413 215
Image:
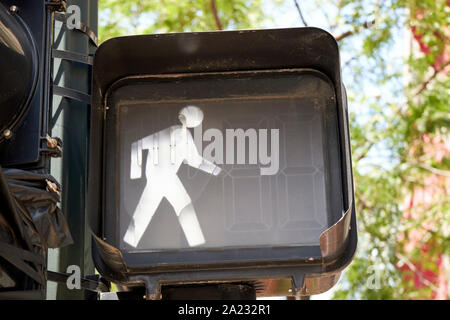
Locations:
333 241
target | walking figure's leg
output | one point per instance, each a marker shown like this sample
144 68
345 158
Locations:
182 204
146 208
191 226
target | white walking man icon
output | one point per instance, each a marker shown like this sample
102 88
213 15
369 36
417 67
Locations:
167 149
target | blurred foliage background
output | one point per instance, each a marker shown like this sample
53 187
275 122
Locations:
395 62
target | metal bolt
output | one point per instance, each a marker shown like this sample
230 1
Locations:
7 134
52 187
13 9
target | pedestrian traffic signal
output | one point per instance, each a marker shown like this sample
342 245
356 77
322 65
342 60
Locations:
221 156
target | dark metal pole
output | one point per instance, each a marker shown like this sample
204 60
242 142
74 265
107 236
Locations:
70 122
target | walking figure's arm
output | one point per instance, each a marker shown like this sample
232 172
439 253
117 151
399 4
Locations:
195 159
136 160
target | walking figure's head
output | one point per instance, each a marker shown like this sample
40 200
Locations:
191 116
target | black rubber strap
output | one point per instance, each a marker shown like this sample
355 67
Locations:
17 257
72 56
80 26
72 94
91 285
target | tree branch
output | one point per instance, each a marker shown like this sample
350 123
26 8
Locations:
365 152
300 13
347 63
413 268
216 15
344 35
431 78
434 170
